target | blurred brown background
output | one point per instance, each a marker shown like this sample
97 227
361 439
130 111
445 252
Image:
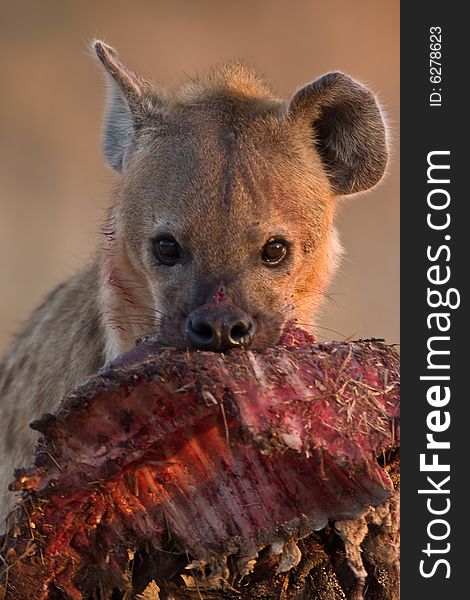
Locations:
54 185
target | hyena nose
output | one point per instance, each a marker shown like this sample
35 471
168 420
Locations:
219 328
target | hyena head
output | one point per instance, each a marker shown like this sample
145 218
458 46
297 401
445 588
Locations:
222 227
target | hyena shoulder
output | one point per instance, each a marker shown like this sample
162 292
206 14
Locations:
64 330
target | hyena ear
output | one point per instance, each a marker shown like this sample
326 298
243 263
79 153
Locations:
131 102
349 130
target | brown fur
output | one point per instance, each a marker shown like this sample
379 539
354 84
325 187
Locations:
222 165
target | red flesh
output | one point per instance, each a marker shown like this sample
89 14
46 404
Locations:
225 452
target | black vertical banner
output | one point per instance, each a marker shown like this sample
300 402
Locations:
435 233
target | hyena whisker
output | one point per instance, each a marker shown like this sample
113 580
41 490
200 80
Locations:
316 326
135 286
331 299
149 318
328 296
131 322
286 309
152 314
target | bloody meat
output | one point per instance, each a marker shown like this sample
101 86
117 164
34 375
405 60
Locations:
215 476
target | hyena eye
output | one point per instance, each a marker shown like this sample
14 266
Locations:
274 251
167 250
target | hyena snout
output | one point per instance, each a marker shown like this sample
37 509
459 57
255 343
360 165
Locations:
218 328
